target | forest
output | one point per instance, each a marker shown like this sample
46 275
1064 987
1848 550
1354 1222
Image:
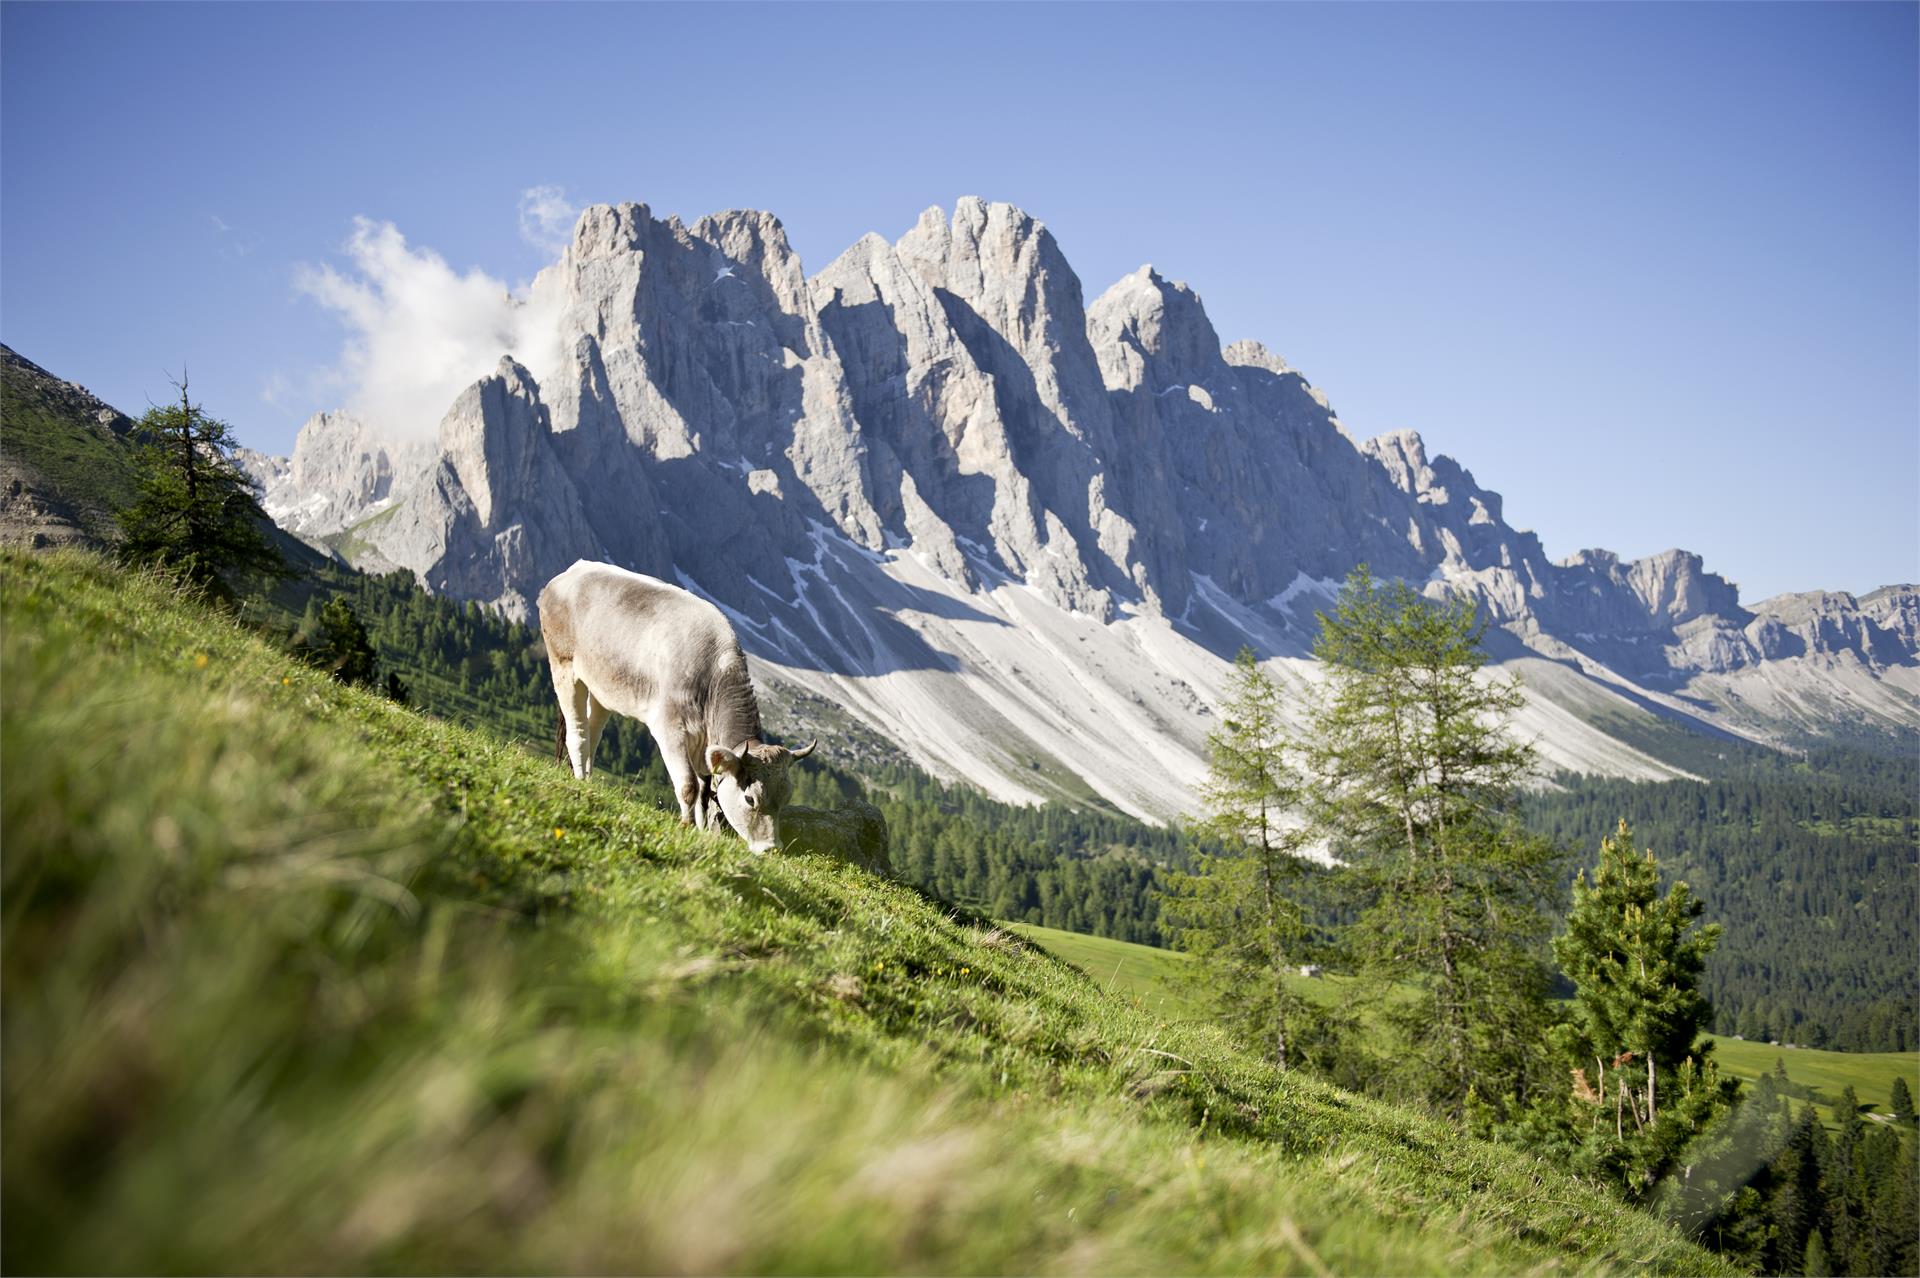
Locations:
1810 865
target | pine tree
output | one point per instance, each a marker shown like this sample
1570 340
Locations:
1901 1101
1815 1265
1841 1180
195 512
1416 777
1237 909
1635 958
332 638
1795 1205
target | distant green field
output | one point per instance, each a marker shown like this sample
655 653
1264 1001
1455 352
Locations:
1154 976
1871 1074
1149 974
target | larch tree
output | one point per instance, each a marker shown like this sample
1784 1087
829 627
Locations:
195 512
1236 910
1415 774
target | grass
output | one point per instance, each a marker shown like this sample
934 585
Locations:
1156 978
300 979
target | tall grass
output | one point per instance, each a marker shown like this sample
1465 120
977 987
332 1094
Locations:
299 980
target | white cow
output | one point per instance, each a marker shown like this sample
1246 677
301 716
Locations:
619 642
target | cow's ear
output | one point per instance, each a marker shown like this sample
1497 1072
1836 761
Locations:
720 759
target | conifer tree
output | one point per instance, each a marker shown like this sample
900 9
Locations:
195 511
1841 1180
1635 959
333 638
1901 1101
1416 774
1237 909
1815 1265
1793 1205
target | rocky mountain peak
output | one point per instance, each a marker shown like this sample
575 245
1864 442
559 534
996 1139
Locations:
1155 333
341 470
935 454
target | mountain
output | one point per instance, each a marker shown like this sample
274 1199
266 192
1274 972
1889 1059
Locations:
65 467
943 496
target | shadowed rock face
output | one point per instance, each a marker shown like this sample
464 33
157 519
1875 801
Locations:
720 419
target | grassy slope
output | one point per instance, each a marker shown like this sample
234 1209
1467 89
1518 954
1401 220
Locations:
300 979
1155 977
45 430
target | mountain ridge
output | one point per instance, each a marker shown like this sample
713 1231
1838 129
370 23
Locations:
880 470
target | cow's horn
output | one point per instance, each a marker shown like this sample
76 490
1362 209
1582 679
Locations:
806 749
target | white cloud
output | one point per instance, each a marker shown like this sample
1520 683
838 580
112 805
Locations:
547 218
419 332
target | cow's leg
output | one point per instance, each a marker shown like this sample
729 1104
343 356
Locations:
686 784
573 715
709 805
597 716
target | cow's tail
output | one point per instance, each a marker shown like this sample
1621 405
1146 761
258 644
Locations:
560 739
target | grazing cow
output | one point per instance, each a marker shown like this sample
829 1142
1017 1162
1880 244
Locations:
622 643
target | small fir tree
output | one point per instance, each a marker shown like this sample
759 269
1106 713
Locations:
195 512
1635 959
332 639
1901 1101
1237 910
1815 1265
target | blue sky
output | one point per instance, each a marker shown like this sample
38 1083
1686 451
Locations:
1650 270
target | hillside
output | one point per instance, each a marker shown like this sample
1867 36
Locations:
64 465
300 979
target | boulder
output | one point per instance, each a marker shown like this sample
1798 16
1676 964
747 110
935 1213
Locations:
854 832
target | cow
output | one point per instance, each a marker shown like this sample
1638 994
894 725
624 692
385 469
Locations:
619 642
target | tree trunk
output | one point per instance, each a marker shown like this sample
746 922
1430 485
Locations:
187 462
1274 956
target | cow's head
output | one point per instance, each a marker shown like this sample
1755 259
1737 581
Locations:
752 785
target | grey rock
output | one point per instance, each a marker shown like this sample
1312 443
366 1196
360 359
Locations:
854 832
341 471
497 516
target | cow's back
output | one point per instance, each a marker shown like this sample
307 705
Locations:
635 640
